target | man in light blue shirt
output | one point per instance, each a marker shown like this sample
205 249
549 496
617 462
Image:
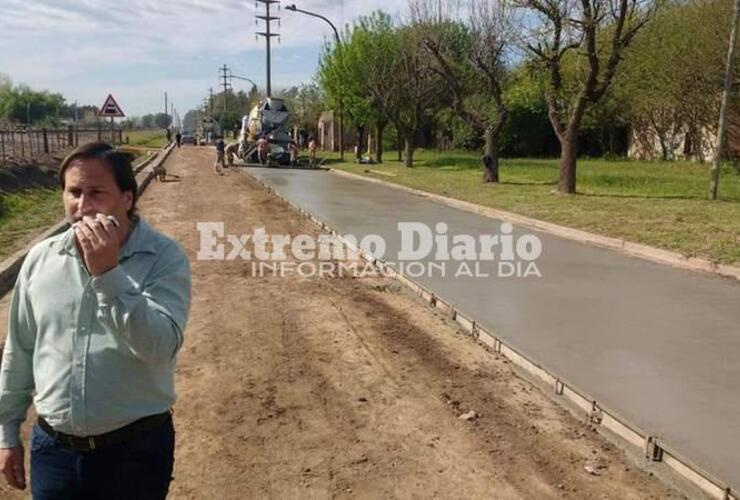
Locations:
96 321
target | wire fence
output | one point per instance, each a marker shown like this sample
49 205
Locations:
26 143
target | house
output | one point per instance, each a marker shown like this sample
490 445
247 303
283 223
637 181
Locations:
683 143
328 136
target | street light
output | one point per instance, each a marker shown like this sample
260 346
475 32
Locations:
293 8
245 79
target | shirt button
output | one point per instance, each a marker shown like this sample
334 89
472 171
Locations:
78 364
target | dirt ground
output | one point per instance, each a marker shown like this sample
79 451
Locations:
292 387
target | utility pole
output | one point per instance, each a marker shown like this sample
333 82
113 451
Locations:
166 116
722 128
225 84
210 101
268 34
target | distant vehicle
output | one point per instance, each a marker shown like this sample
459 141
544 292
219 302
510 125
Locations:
209 130
188 138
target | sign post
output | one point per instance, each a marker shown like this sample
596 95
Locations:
111 109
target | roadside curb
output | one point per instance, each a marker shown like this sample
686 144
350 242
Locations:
656 455
630 248
10 266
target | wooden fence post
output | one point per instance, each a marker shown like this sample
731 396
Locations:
45 133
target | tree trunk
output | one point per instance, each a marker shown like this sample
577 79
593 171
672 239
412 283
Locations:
400 141
568 158
358 148
409 151
612 140
663 147
490 167
379 142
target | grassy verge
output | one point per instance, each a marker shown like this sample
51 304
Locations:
26 214
656 203
146 138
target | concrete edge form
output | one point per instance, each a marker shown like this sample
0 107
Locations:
10 266
607 421
646 252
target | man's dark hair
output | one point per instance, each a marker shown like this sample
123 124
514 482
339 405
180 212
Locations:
118 162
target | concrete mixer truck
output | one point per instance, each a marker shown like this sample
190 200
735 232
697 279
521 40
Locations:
264 136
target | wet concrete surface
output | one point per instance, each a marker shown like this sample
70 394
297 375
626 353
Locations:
658 345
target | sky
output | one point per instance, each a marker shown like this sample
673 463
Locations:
137 49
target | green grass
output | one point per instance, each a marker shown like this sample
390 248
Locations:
26 214
146 138
661 204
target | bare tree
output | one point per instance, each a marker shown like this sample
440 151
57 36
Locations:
471 58
600 30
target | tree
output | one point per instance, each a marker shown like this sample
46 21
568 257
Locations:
230 107
420 88
342 78
305 104
362 72
21 104
528 131
376 42
471 58
602 30
673 75
5 83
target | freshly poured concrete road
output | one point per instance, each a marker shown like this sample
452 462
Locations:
659 345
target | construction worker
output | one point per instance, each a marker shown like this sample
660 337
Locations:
220 156
312 151
262 148
231 151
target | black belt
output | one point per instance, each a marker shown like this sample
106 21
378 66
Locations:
125 433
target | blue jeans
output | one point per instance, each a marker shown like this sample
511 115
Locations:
138 469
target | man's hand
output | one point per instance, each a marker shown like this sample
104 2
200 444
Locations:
11 464
99 241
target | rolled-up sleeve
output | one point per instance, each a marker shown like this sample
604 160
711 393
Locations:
150 317
16 371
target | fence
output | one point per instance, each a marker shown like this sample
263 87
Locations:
22 142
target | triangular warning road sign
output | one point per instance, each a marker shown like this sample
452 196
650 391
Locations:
111 108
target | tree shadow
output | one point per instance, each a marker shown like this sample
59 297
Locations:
529 183
646 197
452 163
331 161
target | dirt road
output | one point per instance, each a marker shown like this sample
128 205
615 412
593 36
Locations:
293 387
